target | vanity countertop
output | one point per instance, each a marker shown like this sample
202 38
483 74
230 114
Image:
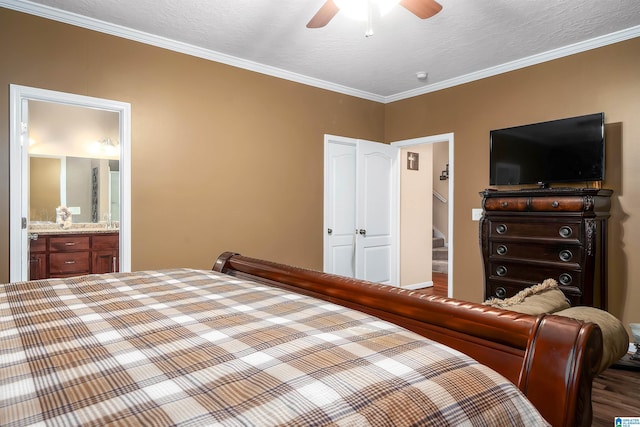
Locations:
45 229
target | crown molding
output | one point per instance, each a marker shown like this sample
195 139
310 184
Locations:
165 43
176 46
550 55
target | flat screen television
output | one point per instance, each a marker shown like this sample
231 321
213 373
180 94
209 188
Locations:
558 151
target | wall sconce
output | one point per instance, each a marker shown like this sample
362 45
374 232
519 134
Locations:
445 173
108 146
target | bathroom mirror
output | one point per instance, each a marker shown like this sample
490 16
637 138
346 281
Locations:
73 162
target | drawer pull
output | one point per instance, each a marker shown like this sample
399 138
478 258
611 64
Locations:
69 262
565 279
501 270
70 243
501 228
555 204
504 204
566 255
565 231
501 292
501 250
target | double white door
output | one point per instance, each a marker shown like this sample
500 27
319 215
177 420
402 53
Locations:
361 209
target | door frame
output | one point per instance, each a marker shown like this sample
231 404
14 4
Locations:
445 137
18 167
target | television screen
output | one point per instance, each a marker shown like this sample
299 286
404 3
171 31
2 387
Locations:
565 150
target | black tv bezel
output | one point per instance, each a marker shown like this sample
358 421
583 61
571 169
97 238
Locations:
547 183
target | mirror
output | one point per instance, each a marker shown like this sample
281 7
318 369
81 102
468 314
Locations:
73 162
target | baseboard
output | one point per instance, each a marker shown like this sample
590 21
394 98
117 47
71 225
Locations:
415 286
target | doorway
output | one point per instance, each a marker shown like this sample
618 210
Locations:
437 196
20 97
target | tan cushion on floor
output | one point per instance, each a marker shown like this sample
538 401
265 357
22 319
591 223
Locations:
615 340
545 297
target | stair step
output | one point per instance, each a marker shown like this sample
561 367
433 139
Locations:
440 254
438 242
440 267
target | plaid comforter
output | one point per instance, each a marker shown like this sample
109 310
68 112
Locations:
194 348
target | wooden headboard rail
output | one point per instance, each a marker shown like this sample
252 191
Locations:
552 359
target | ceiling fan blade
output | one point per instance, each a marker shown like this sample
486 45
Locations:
422 8
324 15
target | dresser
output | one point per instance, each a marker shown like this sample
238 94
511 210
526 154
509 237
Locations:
527 236
67 254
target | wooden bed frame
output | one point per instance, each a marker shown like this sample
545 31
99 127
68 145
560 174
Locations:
552 359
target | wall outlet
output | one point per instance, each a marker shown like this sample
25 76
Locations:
476 214
75 210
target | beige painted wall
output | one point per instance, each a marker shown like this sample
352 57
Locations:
441 209
605 79
227 159
222 158
416 211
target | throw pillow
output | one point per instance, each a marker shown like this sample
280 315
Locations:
544 297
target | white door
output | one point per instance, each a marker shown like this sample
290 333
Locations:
376 187
360 209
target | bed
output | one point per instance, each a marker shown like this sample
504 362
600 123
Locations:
252 342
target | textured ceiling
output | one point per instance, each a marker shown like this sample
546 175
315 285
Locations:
468 39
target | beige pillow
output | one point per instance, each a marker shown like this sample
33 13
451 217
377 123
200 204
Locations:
615 340
544 297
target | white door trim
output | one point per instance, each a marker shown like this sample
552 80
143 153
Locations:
445 137
17 174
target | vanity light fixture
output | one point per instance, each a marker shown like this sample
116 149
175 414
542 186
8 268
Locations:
108 146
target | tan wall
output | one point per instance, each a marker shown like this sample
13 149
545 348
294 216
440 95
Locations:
222 158
44 172
227 159
416 216
605 79
440 209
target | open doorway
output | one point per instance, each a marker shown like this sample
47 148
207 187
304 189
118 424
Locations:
20 209
436 202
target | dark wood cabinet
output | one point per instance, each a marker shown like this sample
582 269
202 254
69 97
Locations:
527 236
73 254
105 253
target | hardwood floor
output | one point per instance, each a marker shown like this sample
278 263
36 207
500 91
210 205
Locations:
616 392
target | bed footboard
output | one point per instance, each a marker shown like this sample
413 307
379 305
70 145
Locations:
552 359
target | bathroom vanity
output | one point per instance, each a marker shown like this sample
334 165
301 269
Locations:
73 252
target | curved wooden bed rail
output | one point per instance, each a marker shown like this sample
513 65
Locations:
552 359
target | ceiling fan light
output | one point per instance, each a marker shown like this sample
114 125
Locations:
385 6
359 9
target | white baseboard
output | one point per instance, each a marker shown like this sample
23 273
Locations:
415 286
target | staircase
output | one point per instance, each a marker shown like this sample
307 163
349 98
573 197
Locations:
440 256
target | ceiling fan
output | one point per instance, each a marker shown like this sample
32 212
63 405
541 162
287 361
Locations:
423 9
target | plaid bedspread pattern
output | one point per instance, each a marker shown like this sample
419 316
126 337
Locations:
193 348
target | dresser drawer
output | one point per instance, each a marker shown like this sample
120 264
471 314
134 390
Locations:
502 290
534 272
564 231
559 204
68 264
520 204
67 244
567 254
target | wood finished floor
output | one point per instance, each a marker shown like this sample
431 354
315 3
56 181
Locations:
616 392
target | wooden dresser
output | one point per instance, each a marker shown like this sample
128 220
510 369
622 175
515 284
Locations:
527 236
73 254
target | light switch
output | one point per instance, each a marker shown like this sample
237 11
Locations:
75 210
476 214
